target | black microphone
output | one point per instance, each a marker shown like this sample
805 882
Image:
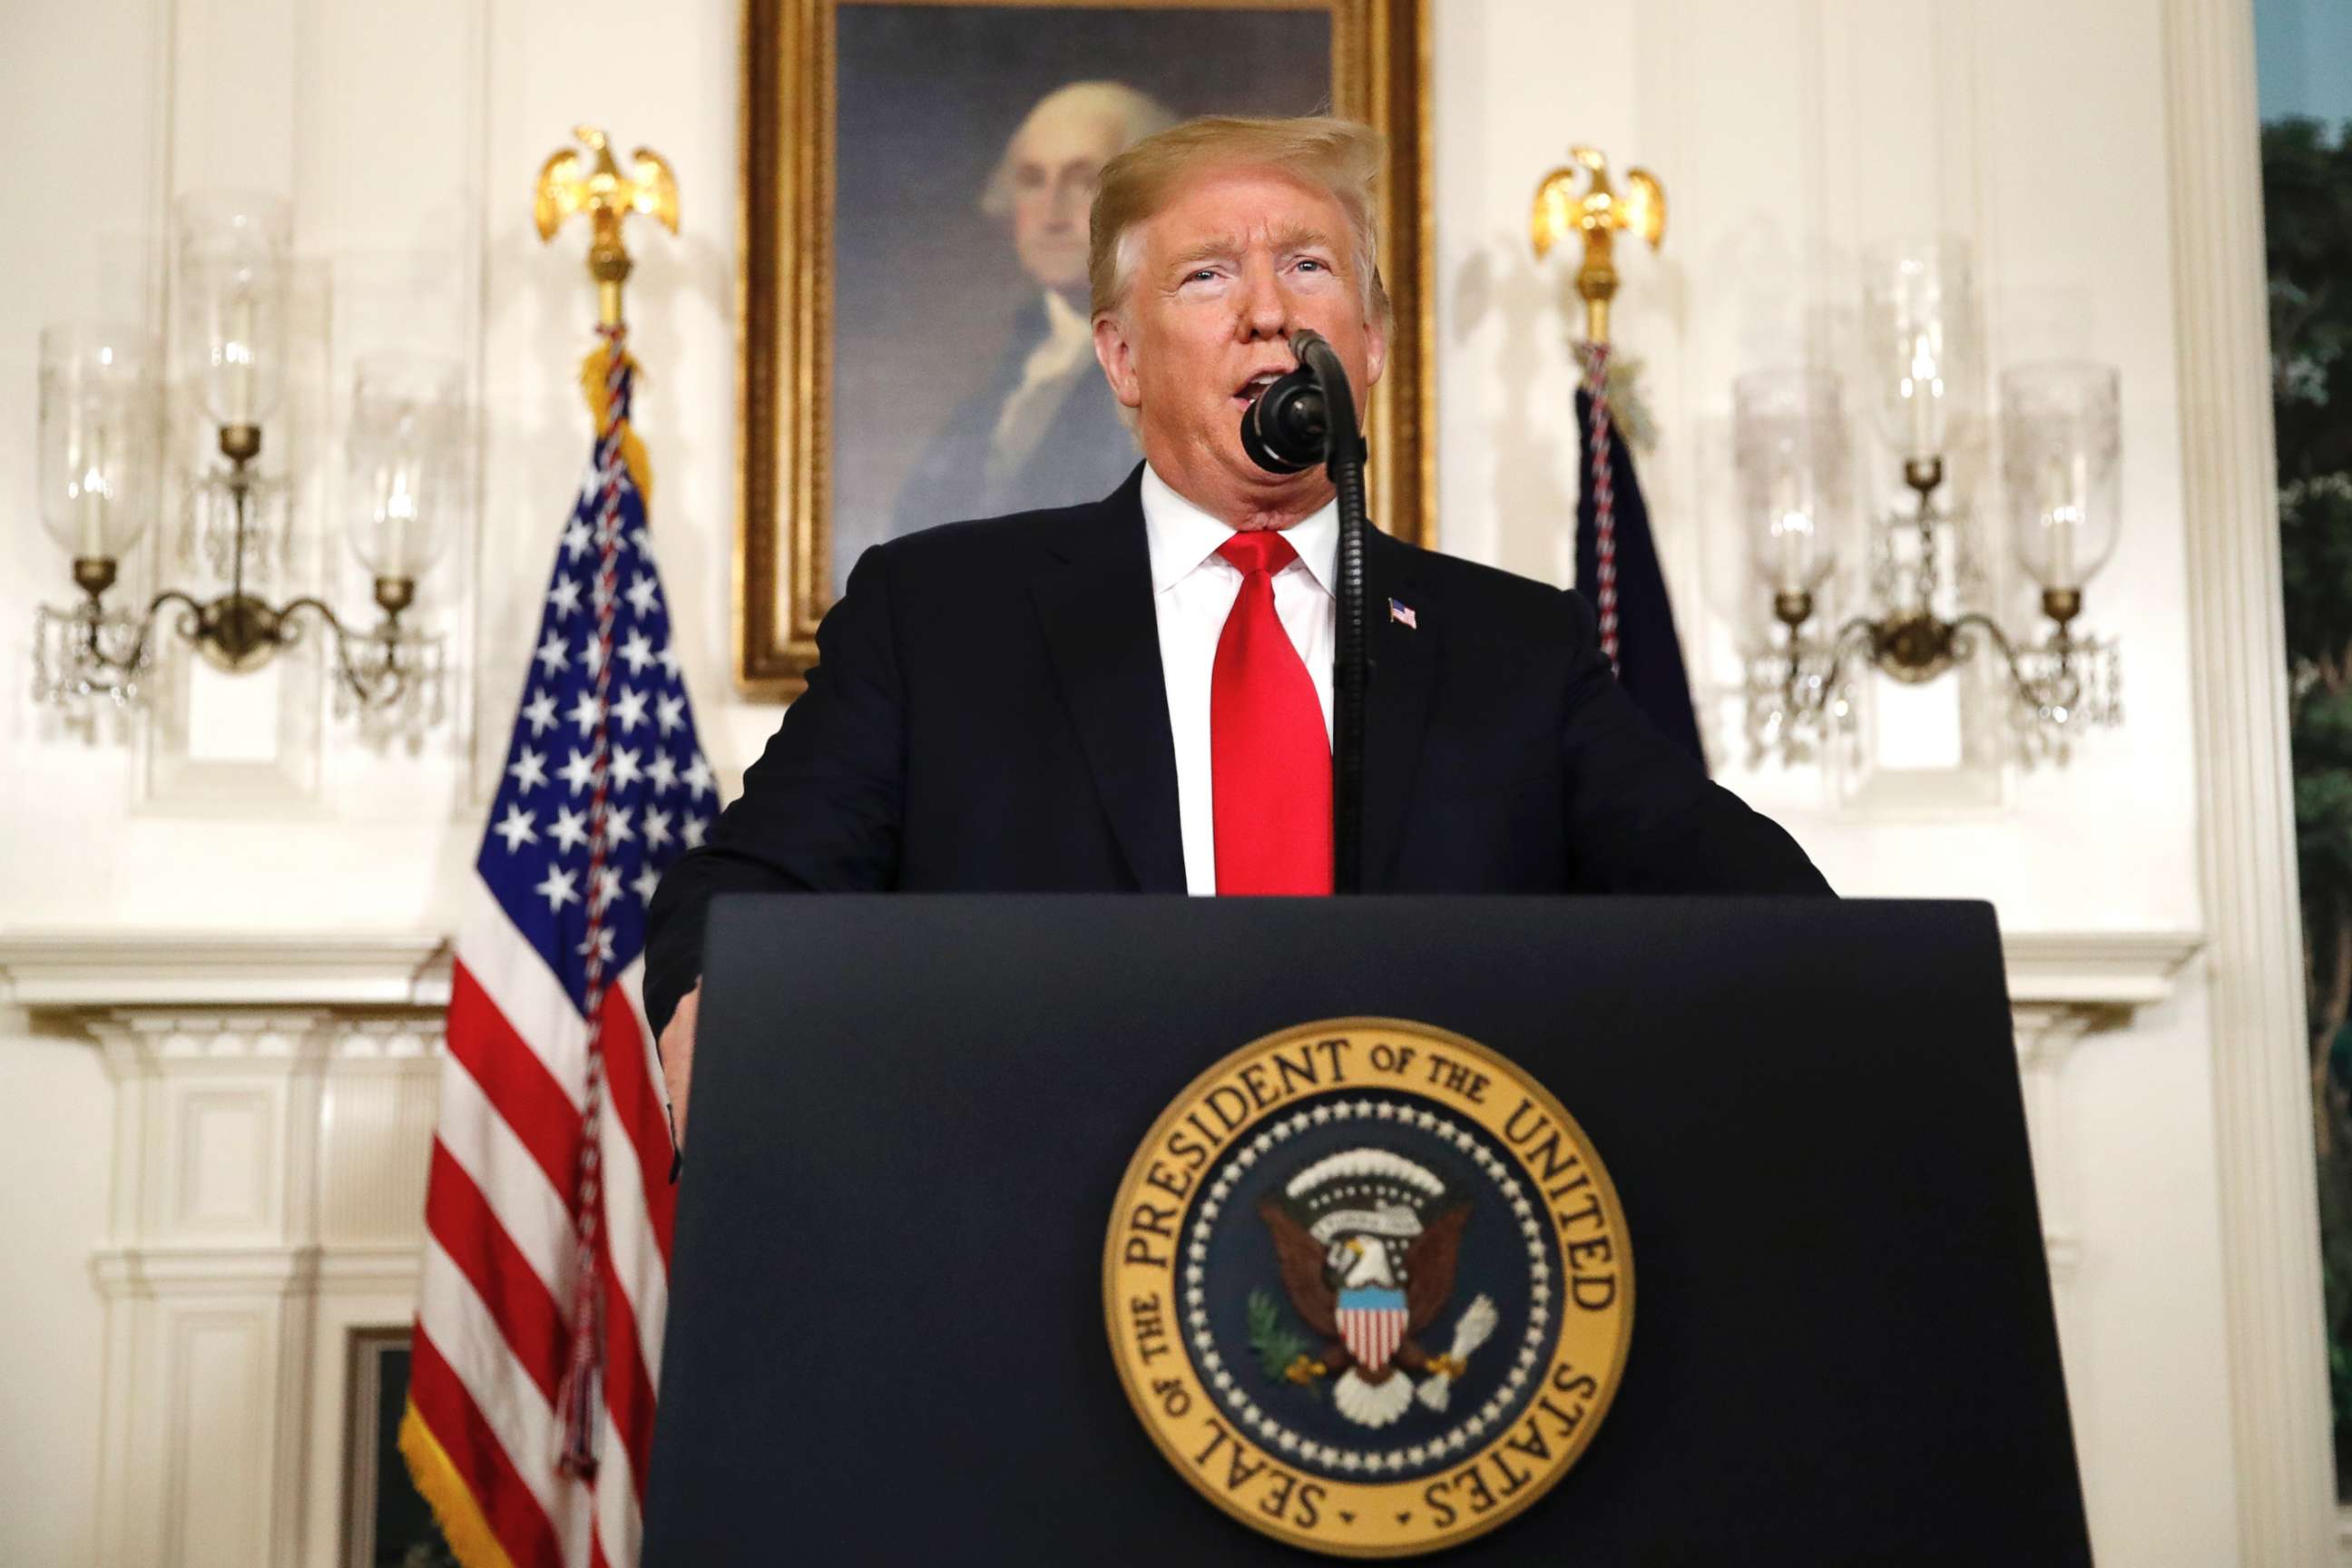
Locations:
1288 429
1305 418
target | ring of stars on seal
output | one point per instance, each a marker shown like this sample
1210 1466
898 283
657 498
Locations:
1369 1286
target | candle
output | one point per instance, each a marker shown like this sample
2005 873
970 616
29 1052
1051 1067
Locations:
90 503
237 352
2078 511
1916 386
1792 534
400 518
2061 509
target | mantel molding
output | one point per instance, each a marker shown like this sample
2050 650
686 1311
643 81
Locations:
101 971
2125 970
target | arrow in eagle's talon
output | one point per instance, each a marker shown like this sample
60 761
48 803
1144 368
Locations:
1477 1322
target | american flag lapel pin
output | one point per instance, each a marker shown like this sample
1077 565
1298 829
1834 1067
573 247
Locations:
1401 611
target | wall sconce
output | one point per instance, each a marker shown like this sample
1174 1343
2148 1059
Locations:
100 413
2061 443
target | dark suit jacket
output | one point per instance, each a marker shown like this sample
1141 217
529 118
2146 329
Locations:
989 715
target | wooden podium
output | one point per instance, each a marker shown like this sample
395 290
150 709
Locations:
886 1336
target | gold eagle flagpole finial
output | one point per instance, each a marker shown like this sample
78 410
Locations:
570 184
1597 215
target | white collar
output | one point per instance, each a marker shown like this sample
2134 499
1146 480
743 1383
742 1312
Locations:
1183 536
1063 320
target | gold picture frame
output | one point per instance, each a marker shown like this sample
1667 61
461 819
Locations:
785 554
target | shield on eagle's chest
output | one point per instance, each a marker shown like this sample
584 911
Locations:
1371 1324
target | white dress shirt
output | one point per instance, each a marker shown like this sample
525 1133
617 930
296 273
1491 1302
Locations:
1192 591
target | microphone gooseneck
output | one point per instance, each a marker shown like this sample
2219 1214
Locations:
1306 417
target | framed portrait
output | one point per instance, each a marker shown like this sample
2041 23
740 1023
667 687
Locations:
914 342
386 1521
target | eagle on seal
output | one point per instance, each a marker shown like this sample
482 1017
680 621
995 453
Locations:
1368 1242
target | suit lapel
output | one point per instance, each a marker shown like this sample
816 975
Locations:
1094 600
1396 705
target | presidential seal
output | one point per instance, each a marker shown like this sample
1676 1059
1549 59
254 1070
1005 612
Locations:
1369 1286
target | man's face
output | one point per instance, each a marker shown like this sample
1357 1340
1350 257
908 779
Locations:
1224 272
1055 162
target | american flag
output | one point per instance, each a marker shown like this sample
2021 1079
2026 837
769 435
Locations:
537 1342
1617 566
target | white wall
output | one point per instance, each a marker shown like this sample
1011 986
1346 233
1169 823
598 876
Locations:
53 1165
1788 131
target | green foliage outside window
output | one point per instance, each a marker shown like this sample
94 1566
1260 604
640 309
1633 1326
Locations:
2307 201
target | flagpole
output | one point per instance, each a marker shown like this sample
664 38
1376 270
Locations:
1596 216
524 1298
569 184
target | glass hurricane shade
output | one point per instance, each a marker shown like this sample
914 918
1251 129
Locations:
1788 433
233 249
2062 445
402 450
1919 341
101 407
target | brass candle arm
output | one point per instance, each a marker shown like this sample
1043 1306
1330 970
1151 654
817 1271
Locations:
1913 645
237 631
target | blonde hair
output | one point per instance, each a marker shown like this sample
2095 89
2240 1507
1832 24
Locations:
1336 156
1136 113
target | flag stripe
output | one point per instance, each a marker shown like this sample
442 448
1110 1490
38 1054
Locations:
628 1388
513 1078
527 993
639 1255
512 1180
618 1519
629 1078
475 1349
511 1291
643 1227
508 1501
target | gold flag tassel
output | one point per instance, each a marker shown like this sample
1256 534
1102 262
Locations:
597 380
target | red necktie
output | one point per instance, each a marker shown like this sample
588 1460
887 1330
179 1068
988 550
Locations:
1270 758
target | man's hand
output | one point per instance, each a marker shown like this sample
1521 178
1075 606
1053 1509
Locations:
678 1058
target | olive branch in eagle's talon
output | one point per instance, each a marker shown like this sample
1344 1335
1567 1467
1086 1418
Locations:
1281 1354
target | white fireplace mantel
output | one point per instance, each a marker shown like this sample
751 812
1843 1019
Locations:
2108 969
95 971
273 1108
274 1102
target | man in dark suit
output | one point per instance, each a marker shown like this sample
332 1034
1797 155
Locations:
1135 694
